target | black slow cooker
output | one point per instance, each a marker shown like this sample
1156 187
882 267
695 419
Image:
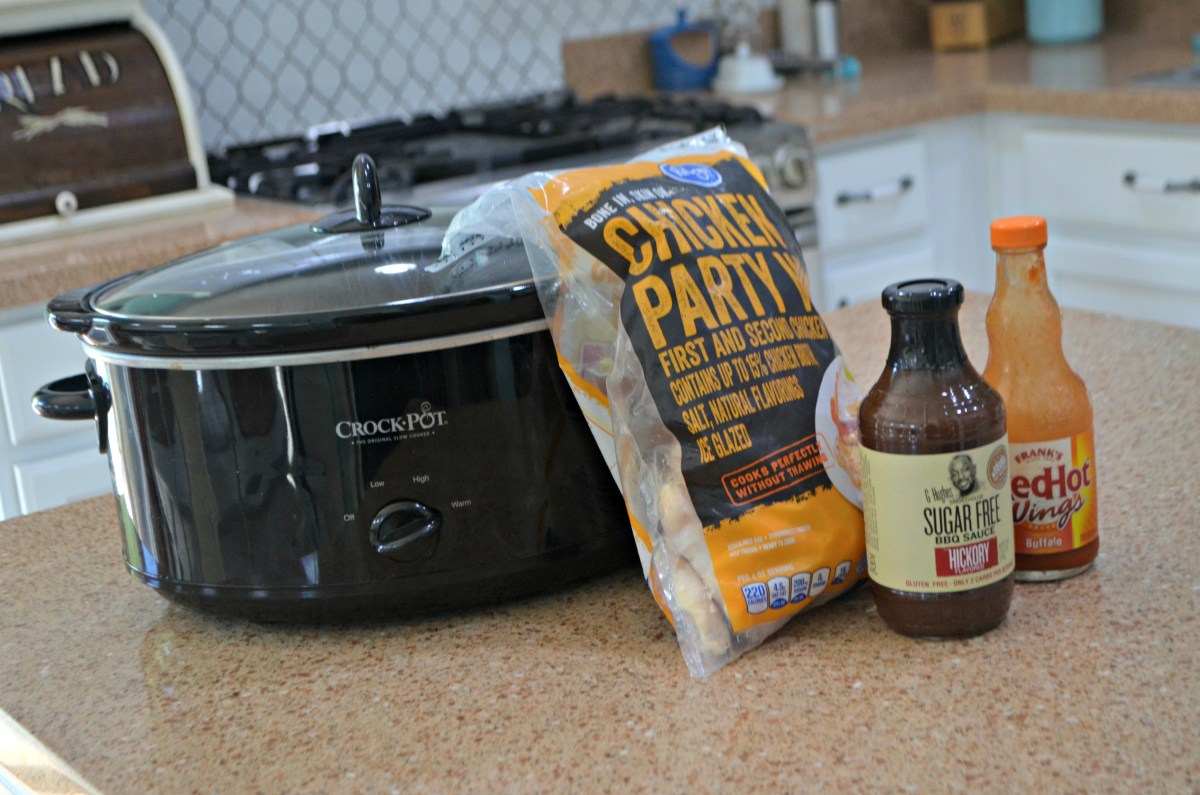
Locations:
336 420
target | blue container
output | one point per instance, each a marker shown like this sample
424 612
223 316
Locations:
673 72
1063 21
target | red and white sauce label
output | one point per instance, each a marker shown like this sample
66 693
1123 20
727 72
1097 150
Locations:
1054 495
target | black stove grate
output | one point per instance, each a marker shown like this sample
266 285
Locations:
314 168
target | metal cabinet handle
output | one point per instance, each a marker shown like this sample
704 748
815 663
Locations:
877 193
1144 185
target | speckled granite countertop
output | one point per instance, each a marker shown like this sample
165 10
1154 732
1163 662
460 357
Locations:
1089 686
34 272
905 87
1091 80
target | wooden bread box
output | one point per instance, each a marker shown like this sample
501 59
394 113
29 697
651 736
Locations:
96 125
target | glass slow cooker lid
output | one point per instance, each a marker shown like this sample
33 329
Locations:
371 276
301 271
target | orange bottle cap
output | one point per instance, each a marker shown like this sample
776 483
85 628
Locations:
1019 231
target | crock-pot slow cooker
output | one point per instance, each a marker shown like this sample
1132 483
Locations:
334 420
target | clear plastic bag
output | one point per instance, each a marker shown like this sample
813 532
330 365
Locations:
681 313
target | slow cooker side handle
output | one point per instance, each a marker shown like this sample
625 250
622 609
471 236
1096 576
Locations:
77 397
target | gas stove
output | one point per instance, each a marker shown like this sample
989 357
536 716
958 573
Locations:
449 160
455 156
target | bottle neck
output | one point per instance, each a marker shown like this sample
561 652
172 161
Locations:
926 342
1022 270
1032 319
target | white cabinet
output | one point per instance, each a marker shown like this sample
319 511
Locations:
1148 183
872 192
862 277
1123 207
1122 202
58 479
903 206
1143 280
872 216
958 177
43 463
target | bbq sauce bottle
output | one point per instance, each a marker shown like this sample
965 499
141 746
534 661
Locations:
935 475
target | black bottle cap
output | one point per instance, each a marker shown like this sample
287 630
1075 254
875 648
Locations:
922 296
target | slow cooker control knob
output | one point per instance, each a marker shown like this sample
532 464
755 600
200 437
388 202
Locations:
406 528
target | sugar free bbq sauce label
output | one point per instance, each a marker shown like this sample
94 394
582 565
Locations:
720 314
938 523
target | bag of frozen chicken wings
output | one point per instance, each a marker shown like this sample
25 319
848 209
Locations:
683 320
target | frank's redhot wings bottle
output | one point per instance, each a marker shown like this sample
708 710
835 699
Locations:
1051 441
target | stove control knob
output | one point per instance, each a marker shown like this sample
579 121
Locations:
793 170
406 529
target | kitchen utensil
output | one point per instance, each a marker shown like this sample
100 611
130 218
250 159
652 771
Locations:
825 24
684 55
745 72
796 28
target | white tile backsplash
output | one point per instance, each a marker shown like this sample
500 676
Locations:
270 68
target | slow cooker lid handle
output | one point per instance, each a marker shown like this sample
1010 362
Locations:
368 202
369 213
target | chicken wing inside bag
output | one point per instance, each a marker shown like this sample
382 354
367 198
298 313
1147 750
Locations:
682 317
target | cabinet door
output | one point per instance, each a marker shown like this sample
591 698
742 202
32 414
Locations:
1123 206
1142 281
852 280
871 193
1145 184
42 462
32 355
57 480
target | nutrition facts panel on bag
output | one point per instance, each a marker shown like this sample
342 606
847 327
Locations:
782 590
